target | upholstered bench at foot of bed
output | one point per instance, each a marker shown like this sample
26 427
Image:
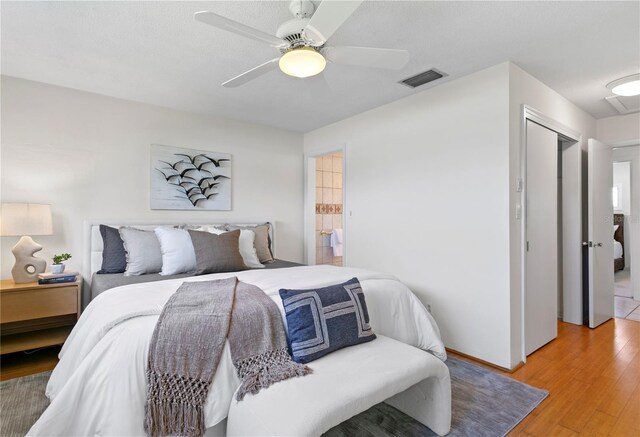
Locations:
345 383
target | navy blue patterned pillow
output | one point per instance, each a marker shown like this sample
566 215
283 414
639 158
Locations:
114 258
324 320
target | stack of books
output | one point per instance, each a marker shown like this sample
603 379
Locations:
57 278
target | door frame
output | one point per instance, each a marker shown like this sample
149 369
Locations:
529 113
310 202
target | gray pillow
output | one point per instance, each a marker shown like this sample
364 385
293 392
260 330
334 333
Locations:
217 253
262 241
143 251
114 258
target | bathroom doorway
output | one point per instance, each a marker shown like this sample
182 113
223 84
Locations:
329 232
627 306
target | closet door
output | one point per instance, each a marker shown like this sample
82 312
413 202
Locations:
541 270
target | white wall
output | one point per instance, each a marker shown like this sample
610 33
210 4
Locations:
427 200
88 156
620 130
431 196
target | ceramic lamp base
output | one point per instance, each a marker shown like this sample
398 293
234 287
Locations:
27 265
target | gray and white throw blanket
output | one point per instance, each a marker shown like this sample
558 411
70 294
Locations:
187 345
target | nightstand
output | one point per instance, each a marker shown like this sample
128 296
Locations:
34 316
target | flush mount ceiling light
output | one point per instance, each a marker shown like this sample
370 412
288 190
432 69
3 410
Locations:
302 62
627 86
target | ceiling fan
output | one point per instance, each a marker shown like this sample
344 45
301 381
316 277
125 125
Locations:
301 42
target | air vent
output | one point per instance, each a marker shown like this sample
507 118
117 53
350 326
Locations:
625 104
422 78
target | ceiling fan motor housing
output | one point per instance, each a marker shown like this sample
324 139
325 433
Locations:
291 31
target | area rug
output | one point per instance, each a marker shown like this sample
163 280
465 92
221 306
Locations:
484 404
22 401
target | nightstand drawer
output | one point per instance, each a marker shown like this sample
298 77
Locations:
38 303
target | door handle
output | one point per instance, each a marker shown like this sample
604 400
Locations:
591 244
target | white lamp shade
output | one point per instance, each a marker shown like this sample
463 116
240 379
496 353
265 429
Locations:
17 219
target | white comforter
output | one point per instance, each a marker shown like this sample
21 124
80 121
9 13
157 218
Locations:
99 386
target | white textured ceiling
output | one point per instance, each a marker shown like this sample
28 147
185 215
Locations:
155 52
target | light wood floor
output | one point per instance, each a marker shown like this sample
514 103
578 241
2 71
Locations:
593 379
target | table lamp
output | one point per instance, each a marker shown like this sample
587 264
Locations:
24 220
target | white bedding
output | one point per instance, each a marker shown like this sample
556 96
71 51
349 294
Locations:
617 249
99 386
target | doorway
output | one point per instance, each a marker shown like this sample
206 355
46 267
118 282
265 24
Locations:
552 229
328 205
325 236
625 304
553 218
629 153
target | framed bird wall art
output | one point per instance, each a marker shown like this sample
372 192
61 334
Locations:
190 179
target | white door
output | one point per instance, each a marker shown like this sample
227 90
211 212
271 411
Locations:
541 270
600 213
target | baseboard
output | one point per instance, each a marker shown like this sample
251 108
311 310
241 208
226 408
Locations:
486 363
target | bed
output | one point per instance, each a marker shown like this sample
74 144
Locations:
99 385
618 242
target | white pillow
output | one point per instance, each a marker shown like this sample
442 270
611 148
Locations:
178 255
615 228
248 249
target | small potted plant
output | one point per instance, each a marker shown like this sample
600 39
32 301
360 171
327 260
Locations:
58 262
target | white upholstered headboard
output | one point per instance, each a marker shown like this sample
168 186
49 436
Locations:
92 257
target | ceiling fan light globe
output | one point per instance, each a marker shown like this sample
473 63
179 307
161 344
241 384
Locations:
302 62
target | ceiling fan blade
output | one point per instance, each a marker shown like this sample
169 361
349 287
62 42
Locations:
391 59
223 23
252 74
320 83
327 19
